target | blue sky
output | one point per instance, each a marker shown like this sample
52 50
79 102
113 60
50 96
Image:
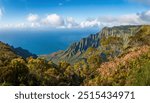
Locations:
72 13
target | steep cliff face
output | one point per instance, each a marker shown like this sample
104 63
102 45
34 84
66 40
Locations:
75 51
79 47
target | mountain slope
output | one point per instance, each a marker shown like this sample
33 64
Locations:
8 52
123 60
23 53
132 67
77 49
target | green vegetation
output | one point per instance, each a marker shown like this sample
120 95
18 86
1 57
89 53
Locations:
118 60
133 72
140 71
112 45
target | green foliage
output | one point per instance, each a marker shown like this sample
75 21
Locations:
38 63
90 51
94 61
112 46
142 37
63 65
6 54
140 73
134 72
132 67
111 40
16 73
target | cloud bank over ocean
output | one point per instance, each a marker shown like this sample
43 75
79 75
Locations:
55 14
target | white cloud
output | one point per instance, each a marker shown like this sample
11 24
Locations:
53 20
70 20
71 23
57 21
13 26
90 23
107 19
145 16
20 25
130 19
33 18
33 22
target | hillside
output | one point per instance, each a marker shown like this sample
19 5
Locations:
18 67
23 53
119 59
76 50
17 51
7 53
132 67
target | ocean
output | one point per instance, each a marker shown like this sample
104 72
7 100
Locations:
44 42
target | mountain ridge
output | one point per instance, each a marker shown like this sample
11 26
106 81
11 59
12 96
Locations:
116 62
16 51
75 50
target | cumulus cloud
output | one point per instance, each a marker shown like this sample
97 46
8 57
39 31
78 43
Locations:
57 21
129 19
71 23
33 18
145 16
33 22
53 20
132 19
90 23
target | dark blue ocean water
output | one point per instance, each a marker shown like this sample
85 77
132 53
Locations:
43 42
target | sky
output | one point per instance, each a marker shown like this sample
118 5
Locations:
70 14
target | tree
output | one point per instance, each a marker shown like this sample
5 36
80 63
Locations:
63 65
16 73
